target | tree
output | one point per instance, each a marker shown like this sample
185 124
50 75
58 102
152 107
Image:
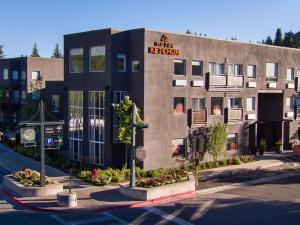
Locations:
188 31
269 41
1 52
278 37
290 40
56 53
35 51
124 111
216 140
196 149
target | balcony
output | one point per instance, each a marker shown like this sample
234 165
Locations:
235 114
199 117
226 81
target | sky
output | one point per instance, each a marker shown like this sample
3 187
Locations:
24 22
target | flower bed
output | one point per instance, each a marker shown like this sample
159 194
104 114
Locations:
29 178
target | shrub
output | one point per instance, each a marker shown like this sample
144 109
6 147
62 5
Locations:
29 177
216 139
236 160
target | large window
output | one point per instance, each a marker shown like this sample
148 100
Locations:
217 106
271 71
216 68
96 126
197 68
135 66
118 96
15 75
232 142
251 104
121 63
198 104
75 124
179 105
251 71
5 74
97 59
235 69
235 103
76 60
55 103
178 147
179 66
290 74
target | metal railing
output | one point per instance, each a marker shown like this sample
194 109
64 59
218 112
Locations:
226 81
235 114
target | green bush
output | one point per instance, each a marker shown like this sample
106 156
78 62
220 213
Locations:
247 158
236 160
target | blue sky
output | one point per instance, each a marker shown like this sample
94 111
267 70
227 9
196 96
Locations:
24 22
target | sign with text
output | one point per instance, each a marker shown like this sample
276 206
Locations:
54 130
54 140
164 47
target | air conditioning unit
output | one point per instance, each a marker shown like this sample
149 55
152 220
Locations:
271 85
251 84
290 85
289 114
251 116
179 82
197 83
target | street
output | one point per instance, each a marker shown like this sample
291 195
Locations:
273 203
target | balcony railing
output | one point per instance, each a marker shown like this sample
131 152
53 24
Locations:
235 114
271 79
199 116
226 81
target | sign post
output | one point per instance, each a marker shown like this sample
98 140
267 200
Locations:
49 140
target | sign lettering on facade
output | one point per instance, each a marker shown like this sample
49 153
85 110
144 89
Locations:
164 47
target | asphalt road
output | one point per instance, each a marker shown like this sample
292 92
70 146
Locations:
273 203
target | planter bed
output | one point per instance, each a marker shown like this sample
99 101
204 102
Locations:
145 194
50 189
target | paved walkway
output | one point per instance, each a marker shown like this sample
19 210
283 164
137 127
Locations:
107 197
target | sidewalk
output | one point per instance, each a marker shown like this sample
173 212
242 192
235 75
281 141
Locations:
101 198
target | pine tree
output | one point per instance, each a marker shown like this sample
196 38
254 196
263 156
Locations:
278 37
35 51
1 52
290 40
269 41
188 31
56 53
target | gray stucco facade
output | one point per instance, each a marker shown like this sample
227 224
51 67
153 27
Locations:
153 85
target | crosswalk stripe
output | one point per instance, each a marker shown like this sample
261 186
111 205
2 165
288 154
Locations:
166 216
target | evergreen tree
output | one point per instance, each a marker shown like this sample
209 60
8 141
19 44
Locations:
188 31
269 41
1 52
56 53
278 37
290 40
35 51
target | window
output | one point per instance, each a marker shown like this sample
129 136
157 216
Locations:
289 103
118 96
216 106
121 63
36 75
97 59
298 72
76 60
251 104
290 74
15 75
75 124
198 104
135 66
272 70
23 75
235 69
23 95
251 71
179 66
179 105
16 94
5 74
55 103
178 148
35 95
216 68
96 126
235 103
232 142
197 68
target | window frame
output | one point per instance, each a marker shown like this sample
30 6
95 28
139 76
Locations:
55 108
15 75
253 108
184 66
201 68
292 74
236 142
122 56
70 64
90 58
133 63
211 106
254 71
6 73
184 105
199 104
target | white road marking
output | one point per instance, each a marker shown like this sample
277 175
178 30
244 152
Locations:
115 218
203 210
166 216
